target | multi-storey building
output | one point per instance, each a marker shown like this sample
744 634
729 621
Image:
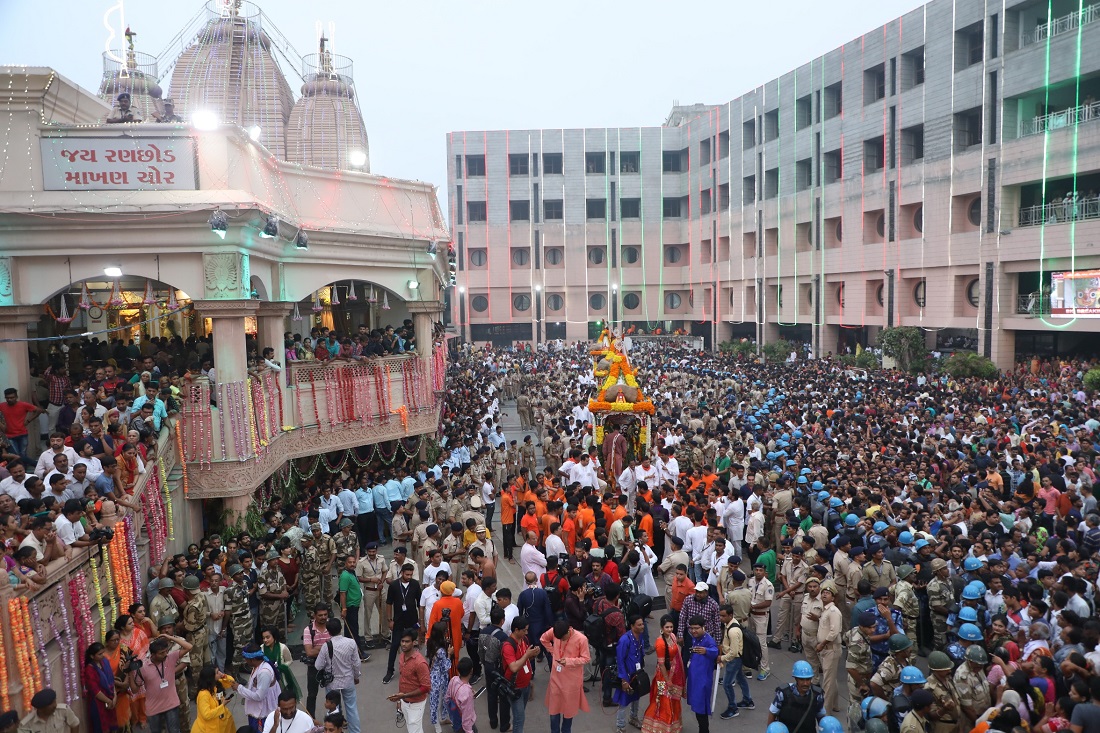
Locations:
933 172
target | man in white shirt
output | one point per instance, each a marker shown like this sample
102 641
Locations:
85 455
555 545
60 466
287 718
13 484
69 528
668 468
504 600
57 446
647 472
585 473
435 564
530 559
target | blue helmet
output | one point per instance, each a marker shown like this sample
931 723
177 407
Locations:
818 486
835 503
851 520
829 724
802 670
970 632
804 471
863 706
777 427
880 527
876 708
972 563
920 543
906 538
771 455
912 676
802 479
797 434
979 585
790 462
821 495
970 593
967 613
777 727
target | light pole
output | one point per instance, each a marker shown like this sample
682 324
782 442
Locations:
461 314
614 305
538 316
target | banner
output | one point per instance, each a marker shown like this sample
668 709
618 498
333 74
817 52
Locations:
119 163
1075 294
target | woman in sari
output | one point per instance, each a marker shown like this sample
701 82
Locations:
119 656
280 657
667 688
99 690
137 631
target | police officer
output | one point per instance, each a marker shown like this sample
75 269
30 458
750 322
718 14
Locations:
940 598
901 703
371 571
916 720
858 664
888 674
945 710
240 618
309 573
968 634
271 587
905 600
972 686
800 704
167 627
195 615
828 643
812 607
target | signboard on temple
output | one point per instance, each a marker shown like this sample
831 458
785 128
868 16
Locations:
118 164
1075 294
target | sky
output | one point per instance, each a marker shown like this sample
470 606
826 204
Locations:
424 68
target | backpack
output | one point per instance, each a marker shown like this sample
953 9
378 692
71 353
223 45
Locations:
640 605
751 653
598 630
553 591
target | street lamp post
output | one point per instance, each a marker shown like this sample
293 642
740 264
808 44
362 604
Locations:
538 316
461 314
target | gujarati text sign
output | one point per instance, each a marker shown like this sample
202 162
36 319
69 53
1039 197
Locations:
118 164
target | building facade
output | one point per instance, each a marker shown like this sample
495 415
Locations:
933 172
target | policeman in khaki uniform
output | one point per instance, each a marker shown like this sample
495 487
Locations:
829 631
240 617
739 598
945 710
841 561
972 686
905 600
888 675
371 572
858 664
807 624
916 720
195 615
793 579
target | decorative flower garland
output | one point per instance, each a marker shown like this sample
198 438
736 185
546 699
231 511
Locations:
70 669
82 608
132 556
109 574
99 596
119 550
23 644
167 499
403 411
250 408
154 519
313 391
47 673
5 698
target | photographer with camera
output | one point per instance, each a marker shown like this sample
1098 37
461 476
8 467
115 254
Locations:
70 530
604 627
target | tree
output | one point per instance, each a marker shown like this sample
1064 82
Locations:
778 351
970 364
1092 380
903 344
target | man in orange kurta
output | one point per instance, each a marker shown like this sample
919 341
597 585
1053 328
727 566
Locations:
447 588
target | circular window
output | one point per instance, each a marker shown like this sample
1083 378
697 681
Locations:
597 301
631 301
880 225
477 258
840 231
673 254
521 302
521 257
840 295
918 219
555 302
554 256
479 303
673 301
973 291
974 211
920 293
630 255
878 294
595 255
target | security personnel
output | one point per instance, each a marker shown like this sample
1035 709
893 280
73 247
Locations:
855 573
901 703
371 571
916 720
858 664
799 705
945 710
905 600
195 615
793 574
969 634
972 686
167 627
326 556
271 587
163 602
940 597
840 563
309 574
887 676
346 542
879 571
828 643
807 624
240 618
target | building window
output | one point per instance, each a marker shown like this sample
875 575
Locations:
554 256
705 201
839 230
873 152
803 174
880 225
521 257
874 84
553 209
968 129
475 166
804 112
595 163
631 301
595 209
840 295
912 144
631 208
748 134
597 301
479 303
771 125
596 255
673 255
969 46
920 293
771 183
519 210
723 197
724 145
552 164
475 211
704 152
630 161
519 164
458 166
672 207
974 211
748 190
834 101
673 301
521 302
555 302
630 255
973 293
674 161
834 166
478 258
878 294
912 68
918 220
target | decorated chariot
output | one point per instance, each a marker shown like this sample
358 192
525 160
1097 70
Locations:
621 413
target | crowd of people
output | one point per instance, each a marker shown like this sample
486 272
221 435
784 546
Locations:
928 546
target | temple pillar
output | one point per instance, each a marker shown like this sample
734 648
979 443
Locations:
424 314
230 365
271 327
15 362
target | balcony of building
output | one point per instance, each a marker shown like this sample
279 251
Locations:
1057 107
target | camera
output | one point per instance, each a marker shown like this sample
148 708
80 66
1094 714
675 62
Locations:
101 534
134 665
446 613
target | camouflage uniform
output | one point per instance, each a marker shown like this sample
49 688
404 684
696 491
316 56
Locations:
240 620
326 555
195 615
888 675
973 690
905 600
944 719
310 577
346 544
859 659
940 593
272 611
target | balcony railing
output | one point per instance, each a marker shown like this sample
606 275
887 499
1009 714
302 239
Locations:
1060 212
1065 24
1033 304
1058 120
258 424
